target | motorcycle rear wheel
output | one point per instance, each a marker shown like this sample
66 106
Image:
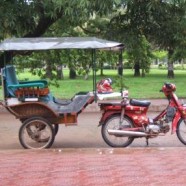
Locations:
116 140
181 131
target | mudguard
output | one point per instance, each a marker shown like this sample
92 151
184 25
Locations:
175 121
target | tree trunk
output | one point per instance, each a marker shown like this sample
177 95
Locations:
87 72
101 69
5 58
120 70
60 72
120 64
136 69
48 72
72 74
170 73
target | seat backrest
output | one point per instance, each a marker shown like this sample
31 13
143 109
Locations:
10 78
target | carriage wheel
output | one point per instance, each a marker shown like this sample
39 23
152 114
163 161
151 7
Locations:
36 133
55 126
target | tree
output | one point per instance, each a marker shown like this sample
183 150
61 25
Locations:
133 22
106 57
141 56
22 18
166 28
126 25
159 55
162 23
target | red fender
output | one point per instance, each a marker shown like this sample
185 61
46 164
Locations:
106 115
175 121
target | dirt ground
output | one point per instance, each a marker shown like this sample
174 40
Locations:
86 134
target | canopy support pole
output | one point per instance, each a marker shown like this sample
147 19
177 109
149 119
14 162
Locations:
120 64
94 74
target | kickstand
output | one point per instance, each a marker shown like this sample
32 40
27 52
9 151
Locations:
147 142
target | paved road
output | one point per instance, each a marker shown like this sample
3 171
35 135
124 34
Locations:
86 134
94 167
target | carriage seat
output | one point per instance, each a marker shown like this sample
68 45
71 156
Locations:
11 83
68 101
78 103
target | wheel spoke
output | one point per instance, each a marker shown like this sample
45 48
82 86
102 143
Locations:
116 140
36 133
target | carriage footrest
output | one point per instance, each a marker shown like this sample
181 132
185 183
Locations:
68 119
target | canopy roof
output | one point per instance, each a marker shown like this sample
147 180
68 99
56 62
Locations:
49 43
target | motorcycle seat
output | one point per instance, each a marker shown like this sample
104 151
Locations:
142 103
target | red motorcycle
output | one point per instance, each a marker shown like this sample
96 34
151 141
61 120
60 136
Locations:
124 121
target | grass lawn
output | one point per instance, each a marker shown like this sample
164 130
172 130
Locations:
138 87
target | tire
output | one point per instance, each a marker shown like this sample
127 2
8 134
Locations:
55 128
181 131
116 140
36 133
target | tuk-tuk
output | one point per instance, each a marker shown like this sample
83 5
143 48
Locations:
32 102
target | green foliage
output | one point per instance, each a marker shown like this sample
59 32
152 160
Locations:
108 57
120 83
80 61
16 18
159 54
161 22
128 65
140 53
33 18
140 25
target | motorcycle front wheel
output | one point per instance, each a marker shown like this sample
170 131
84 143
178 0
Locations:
114 123
36 133
181 131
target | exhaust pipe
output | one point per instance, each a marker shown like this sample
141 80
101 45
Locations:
126 133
